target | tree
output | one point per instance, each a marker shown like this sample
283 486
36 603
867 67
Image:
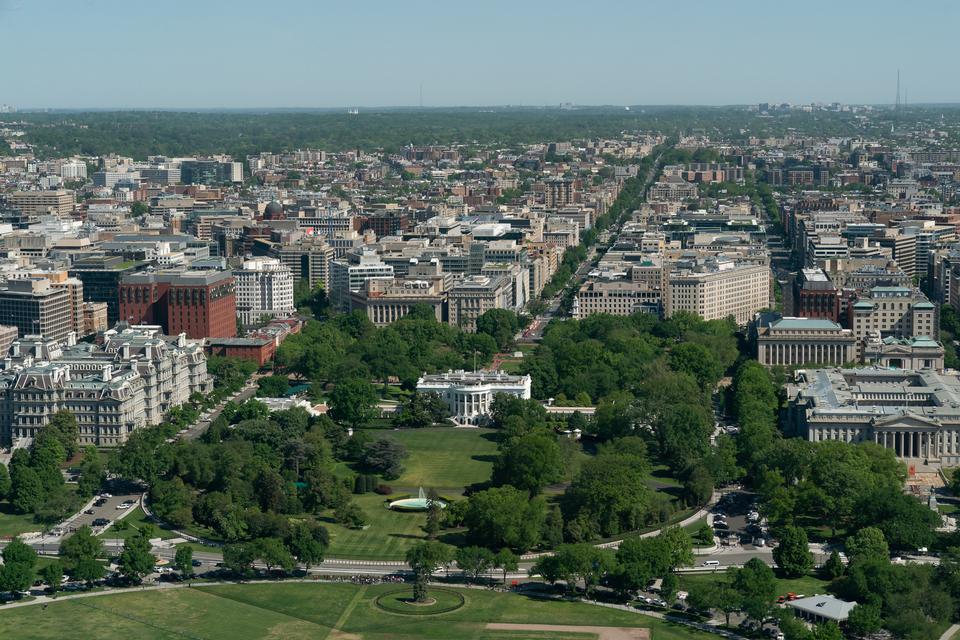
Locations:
273 553
385 456
434 513
757 587
18 552
26 490
349 515
16 577
609 496
505 517
272 386
80 553
792 554
474 561
88 570
827 631
575 562
698 361
183 560
868 543
697 484
425 558
52 575
239 557
354 402
63 426
92 473
4 482
307 542
500 324
17 571
507 561
668 587
529 462
136 560
865 619
833 567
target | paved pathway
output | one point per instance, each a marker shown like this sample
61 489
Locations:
949 633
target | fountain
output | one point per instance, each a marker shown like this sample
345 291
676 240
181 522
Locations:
420 503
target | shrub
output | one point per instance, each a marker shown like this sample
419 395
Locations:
384 489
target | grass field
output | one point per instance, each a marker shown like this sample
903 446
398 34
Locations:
444 457
132 525
298 610
12 524
807 585
388 536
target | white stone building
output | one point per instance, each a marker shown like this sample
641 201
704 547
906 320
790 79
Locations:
264 288
470 394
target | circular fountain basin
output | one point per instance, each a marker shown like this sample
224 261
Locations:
414 504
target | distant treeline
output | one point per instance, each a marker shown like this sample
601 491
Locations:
239 133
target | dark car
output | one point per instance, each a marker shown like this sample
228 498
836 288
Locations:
196 563
101 522
100 502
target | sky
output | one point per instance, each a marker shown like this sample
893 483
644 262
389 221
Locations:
367 53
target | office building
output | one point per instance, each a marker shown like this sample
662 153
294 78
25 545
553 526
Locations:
473 296
349 275
37 203
386 300
36 308
264 289
901 312
717 289
129 380
915 414
617 297
308 259
199 303
790 342
101 276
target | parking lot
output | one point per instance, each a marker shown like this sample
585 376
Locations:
737 523
104 509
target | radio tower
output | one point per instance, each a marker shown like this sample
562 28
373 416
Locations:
896 106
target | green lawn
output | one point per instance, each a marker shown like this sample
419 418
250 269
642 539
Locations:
12 524
444 457
807 585
388 536
298 610
132 524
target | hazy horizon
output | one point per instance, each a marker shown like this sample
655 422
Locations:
218 55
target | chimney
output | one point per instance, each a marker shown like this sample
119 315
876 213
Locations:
182 340
71 339
148 350
125 351
107 373
16 348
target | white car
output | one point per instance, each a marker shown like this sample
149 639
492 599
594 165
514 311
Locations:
123 506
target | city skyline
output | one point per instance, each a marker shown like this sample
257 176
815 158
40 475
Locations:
219 55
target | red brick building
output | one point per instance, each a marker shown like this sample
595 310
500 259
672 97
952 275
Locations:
201 304
259 350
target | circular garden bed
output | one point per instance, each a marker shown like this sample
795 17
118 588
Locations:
401 601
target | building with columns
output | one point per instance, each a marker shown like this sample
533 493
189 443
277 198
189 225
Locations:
799 341
916 414
470 394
